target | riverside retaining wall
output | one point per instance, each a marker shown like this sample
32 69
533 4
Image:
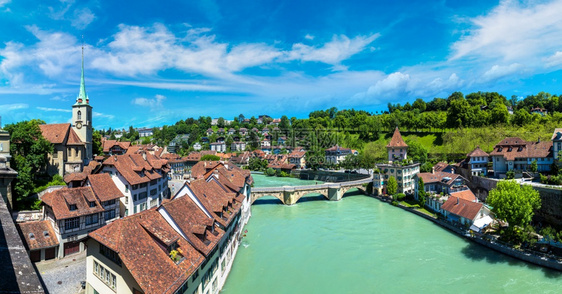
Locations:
551 208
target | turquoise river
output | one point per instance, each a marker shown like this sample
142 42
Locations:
362 245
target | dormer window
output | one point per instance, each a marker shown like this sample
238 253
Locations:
31 236
500 149
509 149
72 207
46 234
92 204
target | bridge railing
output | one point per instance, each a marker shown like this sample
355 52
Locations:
311 187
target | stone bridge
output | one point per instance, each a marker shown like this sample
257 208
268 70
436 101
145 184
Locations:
291 194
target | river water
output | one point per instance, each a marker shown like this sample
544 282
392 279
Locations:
362 245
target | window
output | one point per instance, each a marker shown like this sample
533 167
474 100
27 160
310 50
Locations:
142 195
126 188
72 207
110 214
91 219
110 202
105 275
72 223
92 204
142 206
79 115
110 254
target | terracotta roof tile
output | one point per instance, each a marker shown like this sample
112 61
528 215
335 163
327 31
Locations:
55 133
465 194
438 177
396 140
60 201
104 187
514 147
39 234
73 138
462 207
477 152
140 241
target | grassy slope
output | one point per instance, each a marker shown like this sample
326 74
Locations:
465 140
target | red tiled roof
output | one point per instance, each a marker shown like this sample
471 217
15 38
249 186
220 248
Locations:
440 166
137 239
104 187
108 144
462 207
60 201
43 234
513 147
477 152
55 133
73 138
135 169
438 177
396 140
465 194
297 154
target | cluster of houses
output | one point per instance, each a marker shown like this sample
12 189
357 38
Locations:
118 208
446 185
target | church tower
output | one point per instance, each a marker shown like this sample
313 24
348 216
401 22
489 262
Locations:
82 117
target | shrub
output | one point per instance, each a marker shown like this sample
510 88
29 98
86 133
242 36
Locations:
400 196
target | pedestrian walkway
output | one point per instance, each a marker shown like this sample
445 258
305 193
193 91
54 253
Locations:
65 274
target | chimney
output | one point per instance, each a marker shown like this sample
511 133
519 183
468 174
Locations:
432 170
457 200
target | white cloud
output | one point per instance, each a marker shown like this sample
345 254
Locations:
309 37
333 52
4 2
513 31
152 103
498 71
54 109
10 107
82 18
392 85
554 60
59 98
102 115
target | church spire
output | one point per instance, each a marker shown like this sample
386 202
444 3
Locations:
82 96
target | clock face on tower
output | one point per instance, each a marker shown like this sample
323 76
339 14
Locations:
79 125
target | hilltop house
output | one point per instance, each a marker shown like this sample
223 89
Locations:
516 154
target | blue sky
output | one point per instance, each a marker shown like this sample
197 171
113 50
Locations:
149 64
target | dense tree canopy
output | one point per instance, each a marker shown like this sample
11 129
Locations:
391 186
514 203
29 150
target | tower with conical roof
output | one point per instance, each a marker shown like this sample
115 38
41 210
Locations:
82 116
397 148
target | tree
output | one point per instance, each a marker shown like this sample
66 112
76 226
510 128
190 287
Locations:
421 192
29 150
514 203
220 122
270 172
534 166
419 104
416 151
210 157
97 147
391 186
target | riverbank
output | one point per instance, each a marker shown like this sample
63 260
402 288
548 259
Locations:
524 255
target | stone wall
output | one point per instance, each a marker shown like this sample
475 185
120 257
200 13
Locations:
551 208
328 176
